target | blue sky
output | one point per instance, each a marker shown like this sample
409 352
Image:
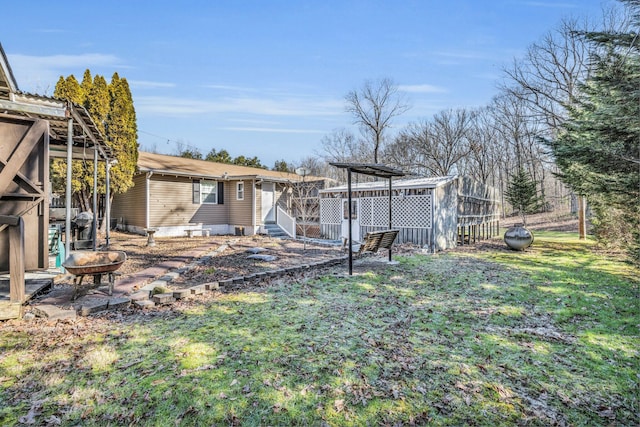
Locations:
268 78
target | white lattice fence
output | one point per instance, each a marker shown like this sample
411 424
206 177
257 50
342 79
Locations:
330 211
407 212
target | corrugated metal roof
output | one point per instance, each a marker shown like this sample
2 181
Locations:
371 169
427 182
181 166
57 112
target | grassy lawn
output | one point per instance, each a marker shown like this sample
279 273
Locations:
546 336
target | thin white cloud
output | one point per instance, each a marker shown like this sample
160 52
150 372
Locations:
86 60
460 55
273 130
291 106
550 4
40 73
422 88
230 88
145 84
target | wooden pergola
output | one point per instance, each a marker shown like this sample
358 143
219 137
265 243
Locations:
33 129
371 169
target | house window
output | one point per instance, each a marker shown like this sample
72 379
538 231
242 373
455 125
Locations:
240 191
208 192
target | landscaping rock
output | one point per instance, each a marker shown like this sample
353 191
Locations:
198 289
90 306
256 250
181 293
144 303
165 298
225 282
139 296
119 302
266 258
212 286
53 312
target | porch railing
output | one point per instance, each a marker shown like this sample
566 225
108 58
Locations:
286 222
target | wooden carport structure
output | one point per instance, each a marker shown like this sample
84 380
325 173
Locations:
33 129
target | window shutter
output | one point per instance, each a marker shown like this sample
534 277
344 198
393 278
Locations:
221 193
196 192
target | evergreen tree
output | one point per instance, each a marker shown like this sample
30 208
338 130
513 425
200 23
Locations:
221 156
191 153
281 166
122 134
111 108
98 102
69 89
253 162
598 150
522 194
85 86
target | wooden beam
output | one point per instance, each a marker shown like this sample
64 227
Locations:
10 310
21 153
16 262
9 220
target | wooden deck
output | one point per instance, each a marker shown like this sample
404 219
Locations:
35 283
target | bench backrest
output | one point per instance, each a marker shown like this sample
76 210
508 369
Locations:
375 240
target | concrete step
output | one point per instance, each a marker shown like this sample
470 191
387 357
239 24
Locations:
274 231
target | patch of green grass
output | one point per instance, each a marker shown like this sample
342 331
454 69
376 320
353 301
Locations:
545 336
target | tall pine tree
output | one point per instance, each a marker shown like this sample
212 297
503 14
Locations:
598 150
111 108
522 194
122 134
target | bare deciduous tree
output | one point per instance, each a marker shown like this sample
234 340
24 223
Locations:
342 146
548 75
373 108
434 147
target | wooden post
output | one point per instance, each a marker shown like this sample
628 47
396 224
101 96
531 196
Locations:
582 222
16 262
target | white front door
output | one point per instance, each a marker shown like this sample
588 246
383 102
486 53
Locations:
355 221
268 202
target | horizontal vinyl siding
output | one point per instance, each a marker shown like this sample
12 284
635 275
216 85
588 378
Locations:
129 208
240 211
258 206
171 204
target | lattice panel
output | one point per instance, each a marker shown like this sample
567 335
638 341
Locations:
380 212
365 211
331 211
408 212
412 212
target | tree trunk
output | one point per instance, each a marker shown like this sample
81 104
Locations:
582 222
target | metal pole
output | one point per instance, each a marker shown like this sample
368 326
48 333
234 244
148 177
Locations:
95 198
107 201
349 210
67 216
